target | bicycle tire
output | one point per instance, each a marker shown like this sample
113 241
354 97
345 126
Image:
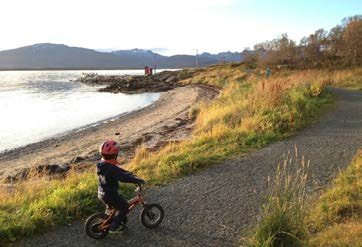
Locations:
147 214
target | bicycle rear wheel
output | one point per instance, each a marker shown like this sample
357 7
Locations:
152 215
91 226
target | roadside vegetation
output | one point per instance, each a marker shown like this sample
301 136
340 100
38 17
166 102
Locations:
336 220
251 111
34 207
283 221
351 79
290 218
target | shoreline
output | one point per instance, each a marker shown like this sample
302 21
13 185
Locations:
10 151
163 121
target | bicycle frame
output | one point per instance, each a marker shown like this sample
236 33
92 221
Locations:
133 202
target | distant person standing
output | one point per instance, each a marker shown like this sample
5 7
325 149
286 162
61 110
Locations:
267 72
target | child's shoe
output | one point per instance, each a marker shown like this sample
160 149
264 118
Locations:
120 229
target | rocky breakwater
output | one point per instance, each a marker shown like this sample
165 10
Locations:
160 82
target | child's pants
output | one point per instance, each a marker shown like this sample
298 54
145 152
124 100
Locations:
115 200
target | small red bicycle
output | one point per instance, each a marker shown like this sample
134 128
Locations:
98 224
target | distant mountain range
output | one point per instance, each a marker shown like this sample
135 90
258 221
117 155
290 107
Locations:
58 56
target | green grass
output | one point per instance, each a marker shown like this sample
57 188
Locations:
336 220
250 112
29 210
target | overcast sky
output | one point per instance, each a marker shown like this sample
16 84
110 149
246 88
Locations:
166 26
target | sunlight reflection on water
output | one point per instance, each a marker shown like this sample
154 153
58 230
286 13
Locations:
35 105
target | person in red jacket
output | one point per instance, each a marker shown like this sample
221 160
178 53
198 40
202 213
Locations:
109 176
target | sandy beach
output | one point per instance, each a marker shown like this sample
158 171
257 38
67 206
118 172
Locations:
166 119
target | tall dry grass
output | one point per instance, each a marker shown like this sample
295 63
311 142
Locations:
290 218
283 221
283 102
351 79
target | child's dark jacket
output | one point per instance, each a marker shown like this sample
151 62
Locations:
109 175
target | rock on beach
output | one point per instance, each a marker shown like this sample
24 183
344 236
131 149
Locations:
161 82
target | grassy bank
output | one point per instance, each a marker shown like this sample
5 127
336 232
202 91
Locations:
250 112
32 208
290 219
336 220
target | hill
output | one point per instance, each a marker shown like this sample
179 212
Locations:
59 56
54 56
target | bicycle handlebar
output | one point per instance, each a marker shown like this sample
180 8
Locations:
138 189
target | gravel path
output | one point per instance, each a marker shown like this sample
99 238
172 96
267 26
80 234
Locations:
216 205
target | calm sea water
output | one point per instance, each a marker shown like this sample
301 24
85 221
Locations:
36 105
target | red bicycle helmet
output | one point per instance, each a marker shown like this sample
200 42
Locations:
109 147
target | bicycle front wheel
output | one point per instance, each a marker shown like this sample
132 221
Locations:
152 215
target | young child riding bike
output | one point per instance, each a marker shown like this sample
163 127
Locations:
109 174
